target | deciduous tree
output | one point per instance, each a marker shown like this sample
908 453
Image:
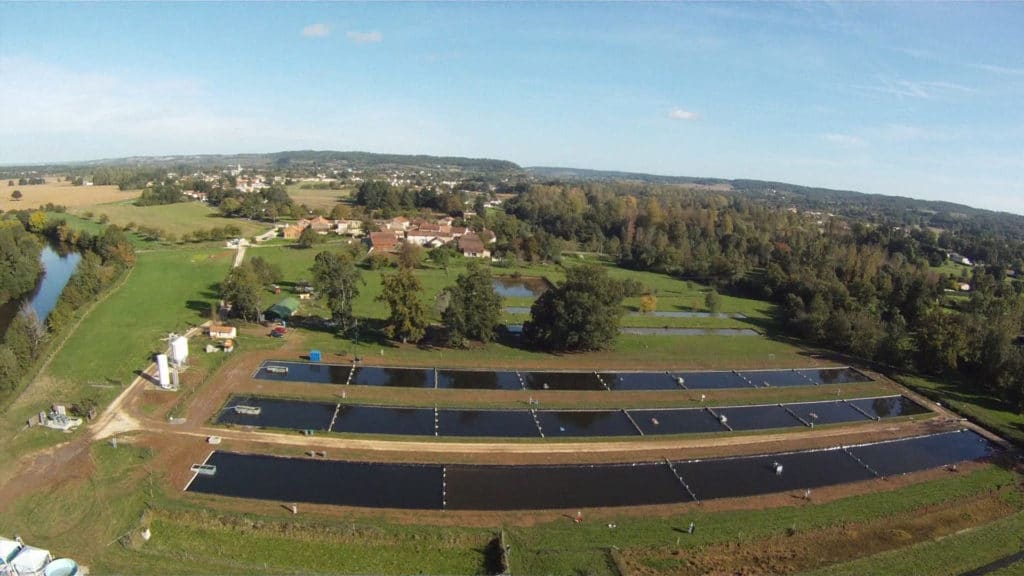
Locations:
408 317
337 279
242 289
581 313
474 307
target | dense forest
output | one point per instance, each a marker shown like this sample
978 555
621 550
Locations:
19 260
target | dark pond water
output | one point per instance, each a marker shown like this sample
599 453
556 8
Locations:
509 380
903 456
640 381
552 487
889 406
322 481
835 376
682 421
758 417
827 412
561 381
59 263
711 380
394 377
556 423
487 423
470 487
749 476
360 419
306 372
385 420
478 380
278 413
655 314
522 287
761 378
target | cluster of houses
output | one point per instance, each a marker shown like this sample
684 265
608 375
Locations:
430 234
322 225
392 233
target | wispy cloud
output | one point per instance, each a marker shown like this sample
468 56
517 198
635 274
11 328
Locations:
680 114
1003 70
848 140
904 132
318 30
926 90
364 37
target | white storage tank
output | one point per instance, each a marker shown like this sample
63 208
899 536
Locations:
163 372
179 350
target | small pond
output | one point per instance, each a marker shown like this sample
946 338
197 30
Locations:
521 287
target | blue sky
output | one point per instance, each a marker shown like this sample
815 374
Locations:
922 100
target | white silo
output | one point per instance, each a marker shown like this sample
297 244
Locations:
179 350
163 373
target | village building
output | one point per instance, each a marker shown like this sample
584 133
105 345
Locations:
383 241
471 246
321 225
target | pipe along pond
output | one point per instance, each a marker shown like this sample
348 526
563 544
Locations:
533 487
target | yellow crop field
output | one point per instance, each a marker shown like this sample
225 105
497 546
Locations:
62 193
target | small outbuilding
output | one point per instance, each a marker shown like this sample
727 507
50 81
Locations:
221 332
283 310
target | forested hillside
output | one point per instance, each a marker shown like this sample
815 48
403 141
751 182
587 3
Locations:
865 286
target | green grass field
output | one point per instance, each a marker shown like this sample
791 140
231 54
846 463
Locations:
325 199
167 291
175 218
985 409
95 228
953 269
672 294
635 352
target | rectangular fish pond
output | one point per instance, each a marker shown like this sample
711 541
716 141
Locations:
533 487
520 423
303 372
582 381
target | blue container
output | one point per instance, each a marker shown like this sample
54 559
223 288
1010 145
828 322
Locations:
314 355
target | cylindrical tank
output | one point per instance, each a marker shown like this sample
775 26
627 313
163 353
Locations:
163 372
179 350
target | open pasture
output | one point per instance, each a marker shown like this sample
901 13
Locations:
177 219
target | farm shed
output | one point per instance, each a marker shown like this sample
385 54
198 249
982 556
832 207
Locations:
283 309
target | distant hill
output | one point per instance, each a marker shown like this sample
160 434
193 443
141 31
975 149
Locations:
554 173
297 158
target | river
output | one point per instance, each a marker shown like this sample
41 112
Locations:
59 263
